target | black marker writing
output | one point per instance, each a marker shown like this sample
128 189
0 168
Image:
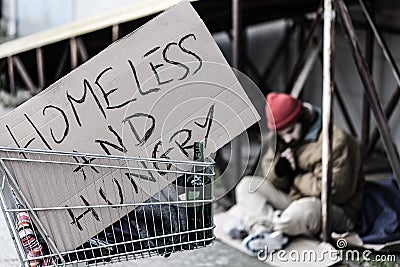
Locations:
16 142
106 95
66 128
129 175
163 156
38 132
138 82
208 123
184 49
121 196
183 146
179 64
151 51
81 100
142 176
148 133
156 73
104 143
75 219
85 161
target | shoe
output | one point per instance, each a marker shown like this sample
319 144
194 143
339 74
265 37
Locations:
236 229
265 242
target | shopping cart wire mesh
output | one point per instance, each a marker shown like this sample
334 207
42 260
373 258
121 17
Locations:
64 208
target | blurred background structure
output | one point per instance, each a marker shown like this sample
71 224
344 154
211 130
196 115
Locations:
278 43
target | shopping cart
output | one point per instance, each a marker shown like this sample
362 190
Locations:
67 208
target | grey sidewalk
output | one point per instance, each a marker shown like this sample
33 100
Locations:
216 255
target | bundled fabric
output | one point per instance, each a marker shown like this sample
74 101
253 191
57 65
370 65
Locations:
153 225
380 217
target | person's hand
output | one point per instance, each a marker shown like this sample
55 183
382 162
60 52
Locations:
286 164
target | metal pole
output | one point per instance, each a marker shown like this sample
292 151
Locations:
343 107
115 32
237 63
24 74
301 60
388 112
389 57
366 113
237 34
369 85
342 104
11 77
327 75
279 50
74 52
386 52
40 67
305 72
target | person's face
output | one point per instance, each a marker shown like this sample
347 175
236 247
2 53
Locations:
291 134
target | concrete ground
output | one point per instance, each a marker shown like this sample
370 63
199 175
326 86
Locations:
216 255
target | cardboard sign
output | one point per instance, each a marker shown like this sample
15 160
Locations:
150 95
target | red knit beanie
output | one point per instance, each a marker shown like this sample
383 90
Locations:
283 110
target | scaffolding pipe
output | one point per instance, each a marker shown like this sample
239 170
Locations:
366 113
327 99
342 104
386 52
305 72
237 63
40 67
279 50
301 60
388 112
389 57
344 109
370 90
11 77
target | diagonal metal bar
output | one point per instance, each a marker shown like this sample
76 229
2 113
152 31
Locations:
369 86
389 57
306 70
366 111
344 109
257 76
73 52
386 52
389 109
247 63
40 67
11 76
279 50
82 49
62 63
24 74
303 54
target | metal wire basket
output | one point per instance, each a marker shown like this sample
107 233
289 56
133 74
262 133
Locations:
67 208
